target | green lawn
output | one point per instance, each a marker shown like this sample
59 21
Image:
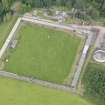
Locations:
5 28
43 53
13 92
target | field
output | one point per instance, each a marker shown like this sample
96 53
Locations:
5 28
43 53
15 92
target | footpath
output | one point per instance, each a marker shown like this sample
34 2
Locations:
34 81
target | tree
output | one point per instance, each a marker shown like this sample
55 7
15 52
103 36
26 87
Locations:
5 6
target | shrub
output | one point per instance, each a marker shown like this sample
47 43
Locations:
94 82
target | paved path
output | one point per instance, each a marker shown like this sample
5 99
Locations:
100 37
34 81
10 36
81 63
43 22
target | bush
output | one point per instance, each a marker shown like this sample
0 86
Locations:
25 8
94 82
22 8
93 12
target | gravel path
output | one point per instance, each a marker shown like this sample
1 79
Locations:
34 81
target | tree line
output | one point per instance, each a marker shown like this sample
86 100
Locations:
88 8
94 8
99 5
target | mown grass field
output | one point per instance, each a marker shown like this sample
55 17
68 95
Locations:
43 53
13 92
5 28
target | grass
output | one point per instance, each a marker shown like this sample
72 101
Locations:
5 28
43 53
15 92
